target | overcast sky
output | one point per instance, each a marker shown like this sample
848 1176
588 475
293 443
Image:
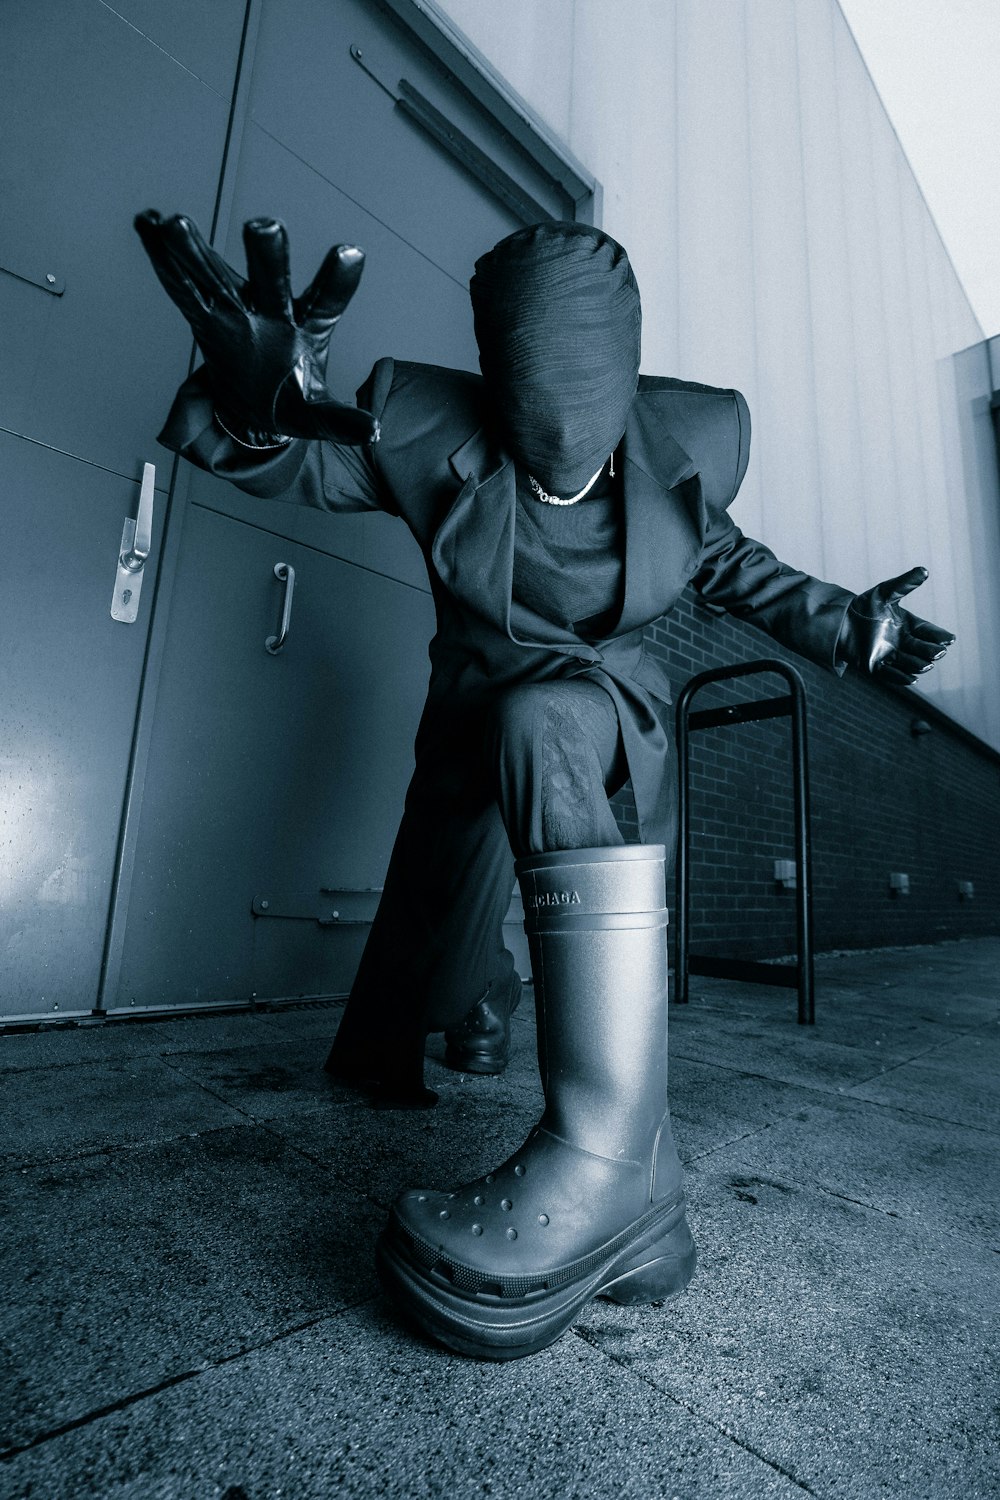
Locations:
936 64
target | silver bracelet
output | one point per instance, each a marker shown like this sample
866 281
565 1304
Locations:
257 447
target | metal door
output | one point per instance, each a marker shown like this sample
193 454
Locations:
279 781
102 111
269 796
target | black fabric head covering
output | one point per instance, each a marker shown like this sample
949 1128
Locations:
558 319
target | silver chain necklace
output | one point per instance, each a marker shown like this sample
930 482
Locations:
548 499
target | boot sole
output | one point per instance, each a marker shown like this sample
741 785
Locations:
655 1267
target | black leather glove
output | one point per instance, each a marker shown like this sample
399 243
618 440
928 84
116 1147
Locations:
887 641
265 351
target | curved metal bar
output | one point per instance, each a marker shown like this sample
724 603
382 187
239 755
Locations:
803 849
285 573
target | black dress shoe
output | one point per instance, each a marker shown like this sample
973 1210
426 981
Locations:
480 1043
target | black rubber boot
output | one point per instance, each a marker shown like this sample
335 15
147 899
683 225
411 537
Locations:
480 1043
591 1205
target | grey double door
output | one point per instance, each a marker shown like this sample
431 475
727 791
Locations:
100 114
182 810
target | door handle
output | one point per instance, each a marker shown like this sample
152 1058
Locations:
135 555
136 544
285 573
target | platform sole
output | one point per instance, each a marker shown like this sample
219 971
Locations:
656 1266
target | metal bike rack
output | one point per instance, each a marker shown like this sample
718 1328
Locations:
793 706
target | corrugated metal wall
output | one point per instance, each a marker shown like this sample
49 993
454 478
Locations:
782 245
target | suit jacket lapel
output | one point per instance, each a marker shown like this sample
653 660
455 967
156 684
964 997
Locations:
473 550
662 529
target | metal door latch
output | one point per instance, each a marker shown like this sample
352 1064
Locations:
137 539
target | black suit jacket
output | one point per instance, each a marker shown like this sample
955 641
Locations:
439 467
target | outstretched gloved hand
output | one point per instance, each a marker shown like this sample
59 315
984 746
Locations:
887 641
265 350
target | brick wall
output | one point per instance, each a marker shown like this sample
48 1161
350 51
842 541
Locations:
882 800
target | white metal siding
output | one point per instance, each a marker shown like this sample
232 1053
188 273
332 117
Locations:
782 245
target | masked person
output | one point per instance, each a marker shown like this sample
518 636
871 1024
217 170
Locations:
562 502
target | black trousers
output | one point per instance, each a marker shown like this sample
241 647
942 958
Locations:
529 772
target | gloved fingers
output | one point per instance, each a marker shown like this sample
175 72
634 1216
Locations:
214 281
888 671
323 417
149 227
894 589
936 635
925 652
333 286
921 638
268 288
912 662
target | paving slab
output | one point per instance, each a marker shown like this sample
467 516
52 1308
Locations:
828 1058
954 985
955 982
318 1019
864 1017
856 1351
274 1078
712 1107
958 1081
930 1171
70 1046
476 1125
50 1113
180 1291
356 1407
733 998
919 1005
124 1270
894 1029
969 966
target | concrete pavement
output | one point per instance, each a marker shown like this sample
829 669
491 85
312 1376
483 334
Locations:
189 1210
